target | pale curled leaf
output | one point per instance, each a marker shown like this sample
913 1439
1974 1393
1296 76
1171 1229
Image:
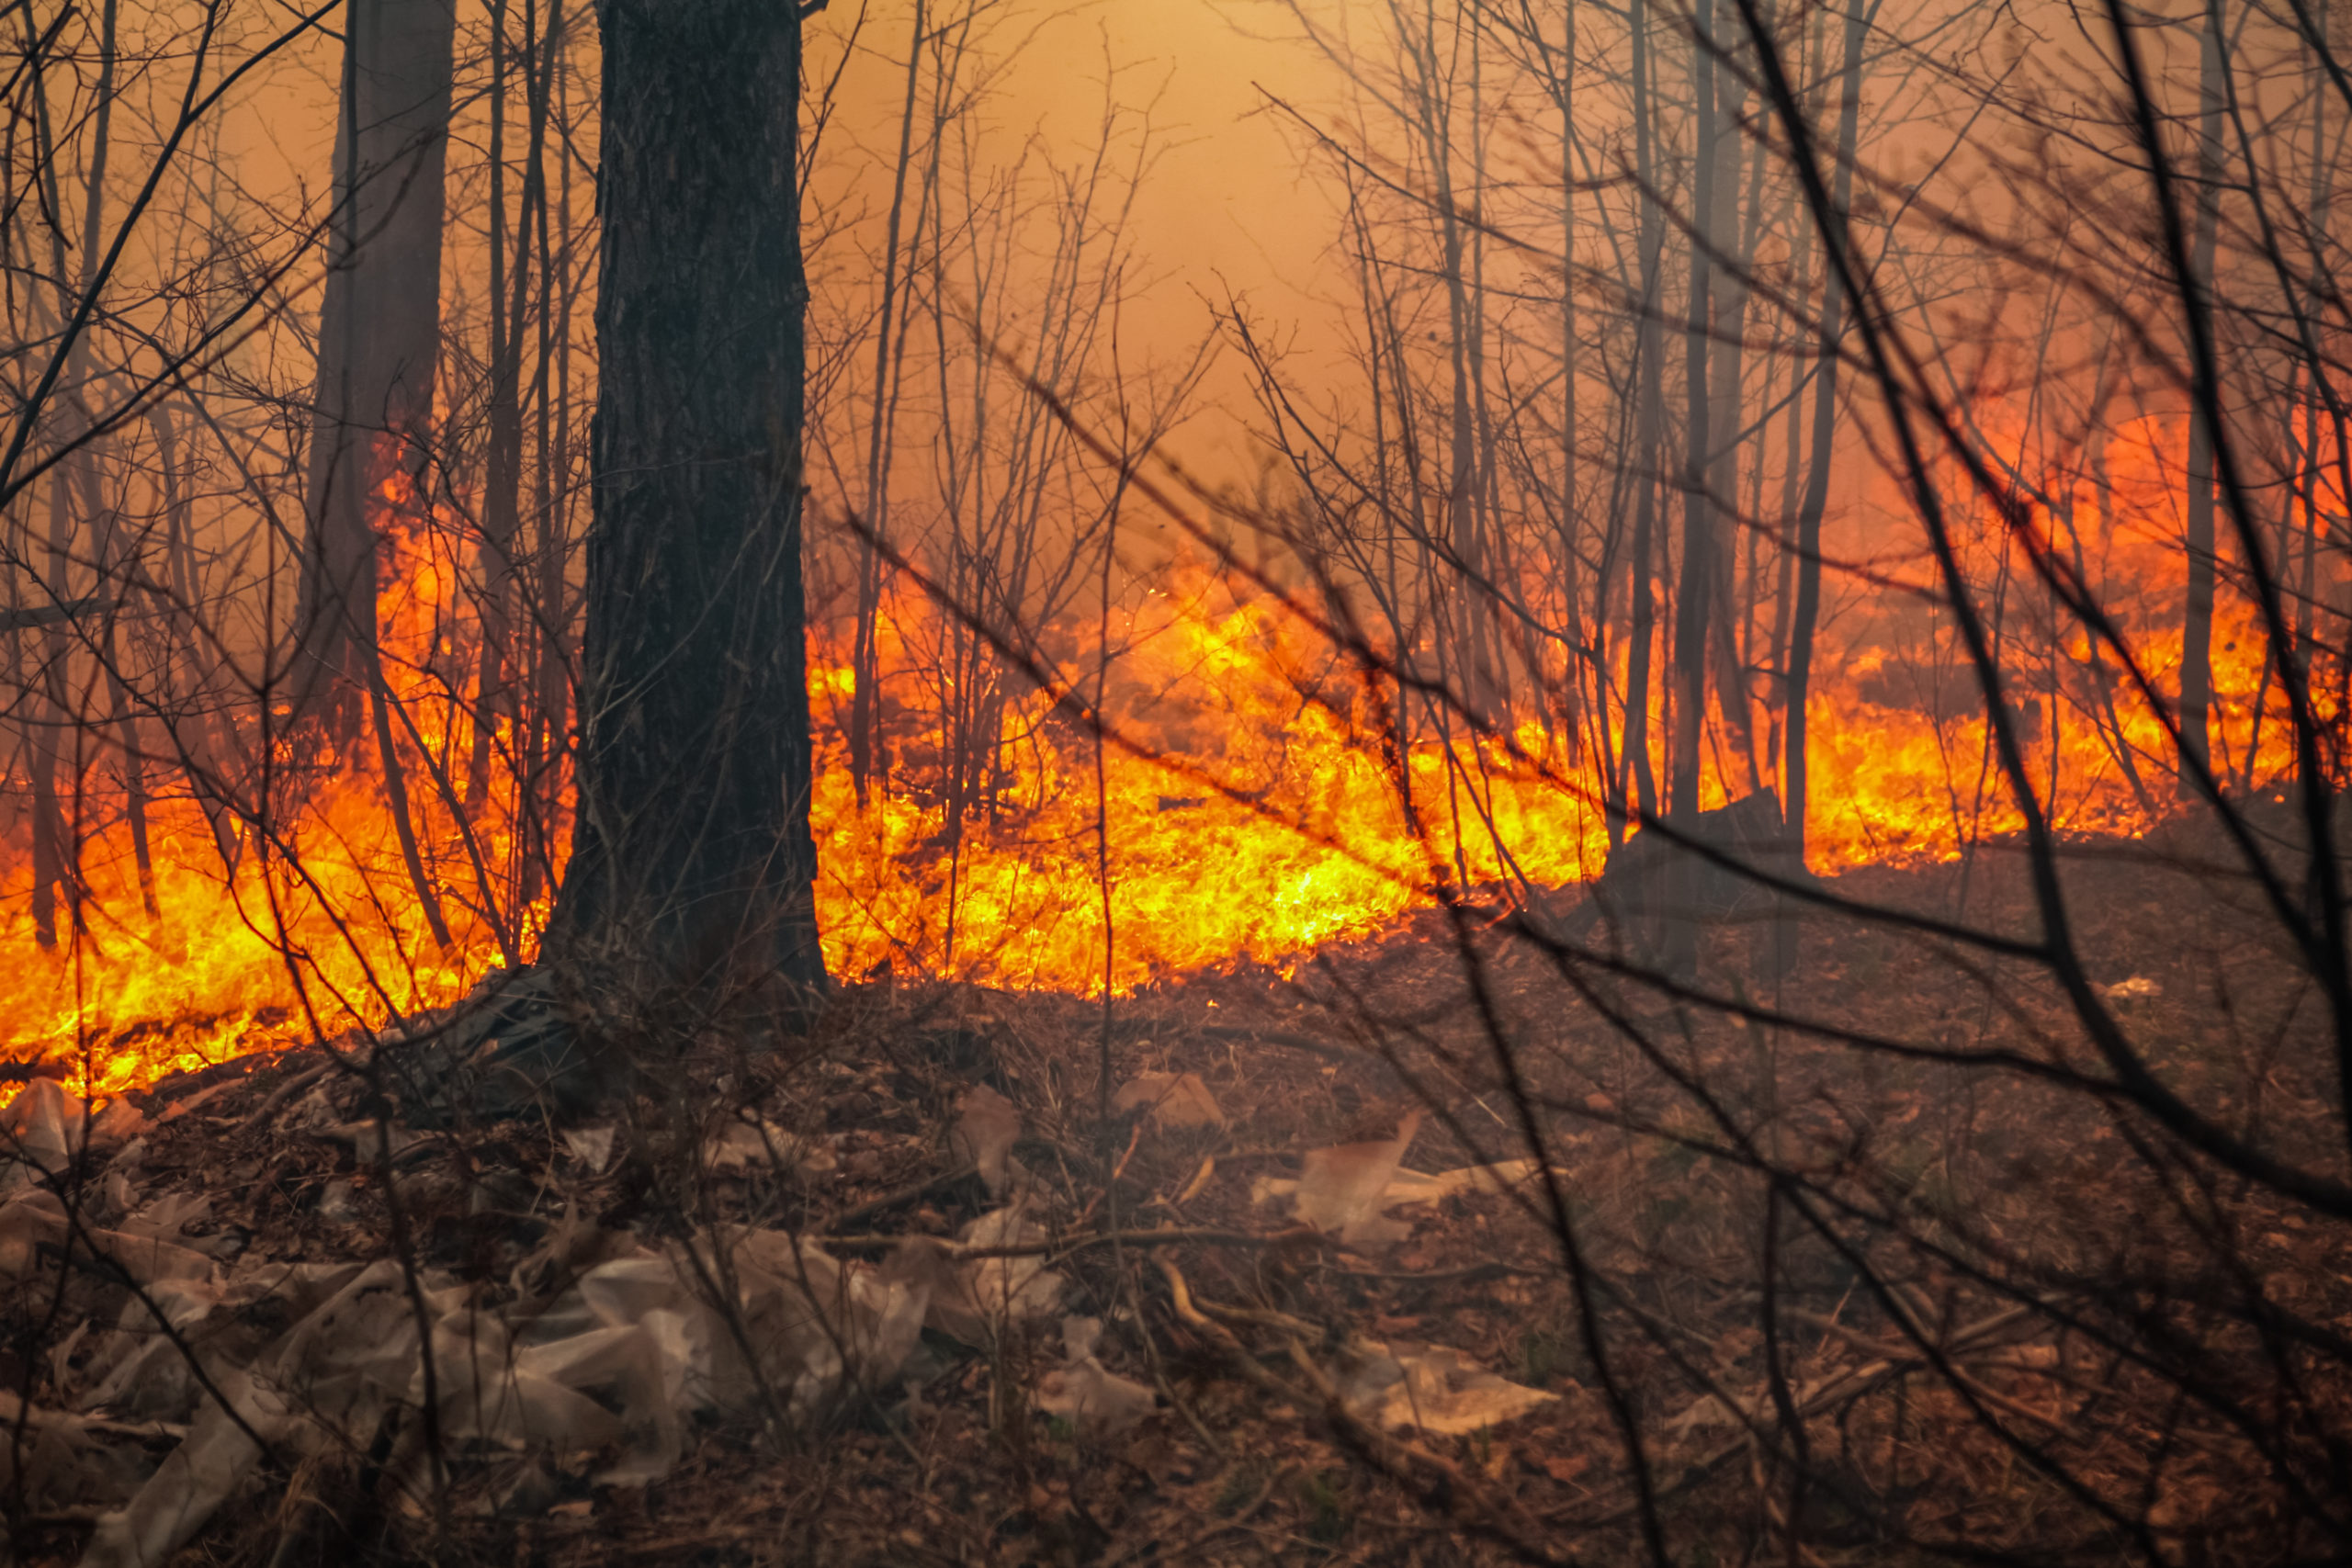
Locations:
987 1126
1434 1387
973 1300
1344 1190
1096 1401
194 1480
1412 1187
44 1126
1176 1101
591 1146
638 1368
1701 1414
1407 1189
29 1220
327 1383
820 1326
741 1146
614 1363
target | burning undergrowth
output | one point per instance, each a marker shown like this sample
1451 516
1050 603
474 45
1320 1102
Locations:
1430 1252
1257 804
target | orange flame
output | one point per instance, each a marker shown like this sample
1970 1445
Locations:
1268 816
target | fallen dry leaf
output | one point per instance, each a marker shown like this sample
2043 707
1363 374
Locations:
1175 1101
1432 1387
591 1146
1563 1468
986 1125
974 1300
1406 1188
746 1145
1082 1391
43 1126
1344 1190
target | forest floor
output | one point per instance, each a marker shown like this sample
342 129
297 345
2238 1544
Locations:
1321 1315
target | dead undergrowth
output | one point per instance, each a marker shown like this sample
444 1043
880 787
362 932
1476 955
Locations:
1434 1252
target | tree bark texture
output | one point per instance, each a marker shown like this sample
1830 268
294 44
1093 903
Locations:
2197 618
1797 779
379 324
692 864
1693 597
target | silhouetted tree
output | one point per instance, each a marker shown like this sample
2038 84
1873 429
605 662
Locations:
691 859
379 326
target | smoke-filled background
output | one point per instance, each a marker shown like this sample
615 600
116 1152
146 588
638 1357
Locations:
1403 422
1725 619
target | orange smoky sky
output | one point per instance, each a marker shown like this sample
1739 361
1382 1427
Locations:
1228 210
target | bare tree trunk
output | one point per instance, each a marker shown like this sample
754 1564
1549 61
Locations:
538 796
1464 536
196 740
1569 518
1650 420
2197 619
1805 616
1797 789
502 511
866 665
117 571
1694 595
378 330
1726 396
57 840
2318 287
693 861
57 831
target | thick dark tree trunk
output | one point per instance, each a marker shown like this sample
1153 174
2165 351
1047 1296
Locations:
692 863
379 327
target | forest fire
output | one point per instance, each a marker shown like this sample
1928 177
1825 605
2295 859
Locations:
1249 800
861 776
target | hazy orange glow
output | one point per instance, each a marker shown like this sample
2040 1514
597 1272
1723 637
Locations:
1271 819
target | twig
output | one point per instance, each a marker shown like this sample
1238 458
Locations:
1134 1139
873 1206
1286 1040
1891 1361
286 1091
52 614
1163 1235
1182 1550
1489 1270
1502 1518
